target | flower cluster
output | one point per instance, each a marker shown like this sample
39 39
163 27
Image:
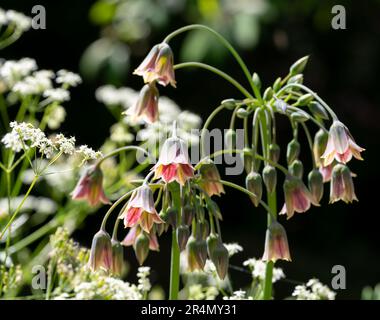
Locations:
15 19
313 290
25 136
257 268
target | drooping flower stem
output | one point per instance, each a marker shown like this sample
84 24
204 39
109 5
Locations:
116 151
175 252
216 71
226 44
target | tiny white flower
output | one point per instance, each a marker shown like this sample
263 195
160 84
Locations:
233 248
68 78
57 94
21 21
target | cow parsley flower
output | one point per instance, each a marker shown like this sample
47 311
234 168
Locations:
57 94
233 248
89 153
13 71
238 295
258 268
143 276
19 20
68 78
65 145
313 290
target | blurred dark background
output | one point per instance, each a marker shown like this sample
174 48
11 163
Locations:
343 68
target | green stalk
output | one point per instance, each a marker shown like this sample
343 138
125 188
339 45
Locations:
216 71
225 42
19 206
175 252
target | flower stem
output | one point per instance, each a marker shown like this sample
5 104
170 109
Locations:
19 206
116 151
175 253
225 42
216 71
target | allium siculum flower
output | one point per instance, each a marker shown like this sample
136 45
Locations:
146 106
297 197
140 210
173 163
341 145
342 186
326 172
158 66
276 243
90 187
134 232
101 251
211 178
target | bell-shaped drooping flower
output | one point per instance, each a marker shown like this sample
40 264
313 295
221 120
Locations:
315 181
254 184
173 163
196 253
342 186
341 145
146 107
210 178
140 209
297 197
117 257
158 66
134 232
101 251
276 243
218 254
326 172
90 187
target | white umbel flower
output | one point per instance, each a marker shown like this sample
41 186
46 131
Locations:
57 94
68 78
19 20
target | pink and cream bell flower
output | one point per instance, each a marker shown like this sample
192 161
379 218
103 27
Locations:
158 66
297 197
342 186
276 244
134 232
340 145
90 187
173 163
146 107
140 210
210 178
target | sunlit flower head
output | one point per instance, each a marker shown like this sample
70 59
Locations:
341 145
158 66
173 163
140 210
134 232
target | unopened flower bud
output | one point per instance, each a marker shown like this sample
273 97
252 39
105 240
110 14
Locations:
296 79
270 178
161 228
141 247
342 186
298 66
196 253
242 113
254 184
299 116
188 214
172 217
319 146
256 80
317 110
247 159
210 178
296 169
277 84
183 234
315 182
229 104
268 94
117 257
101 251
274 152
292 151
230 139
276 243
203 229
218 254
305 99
